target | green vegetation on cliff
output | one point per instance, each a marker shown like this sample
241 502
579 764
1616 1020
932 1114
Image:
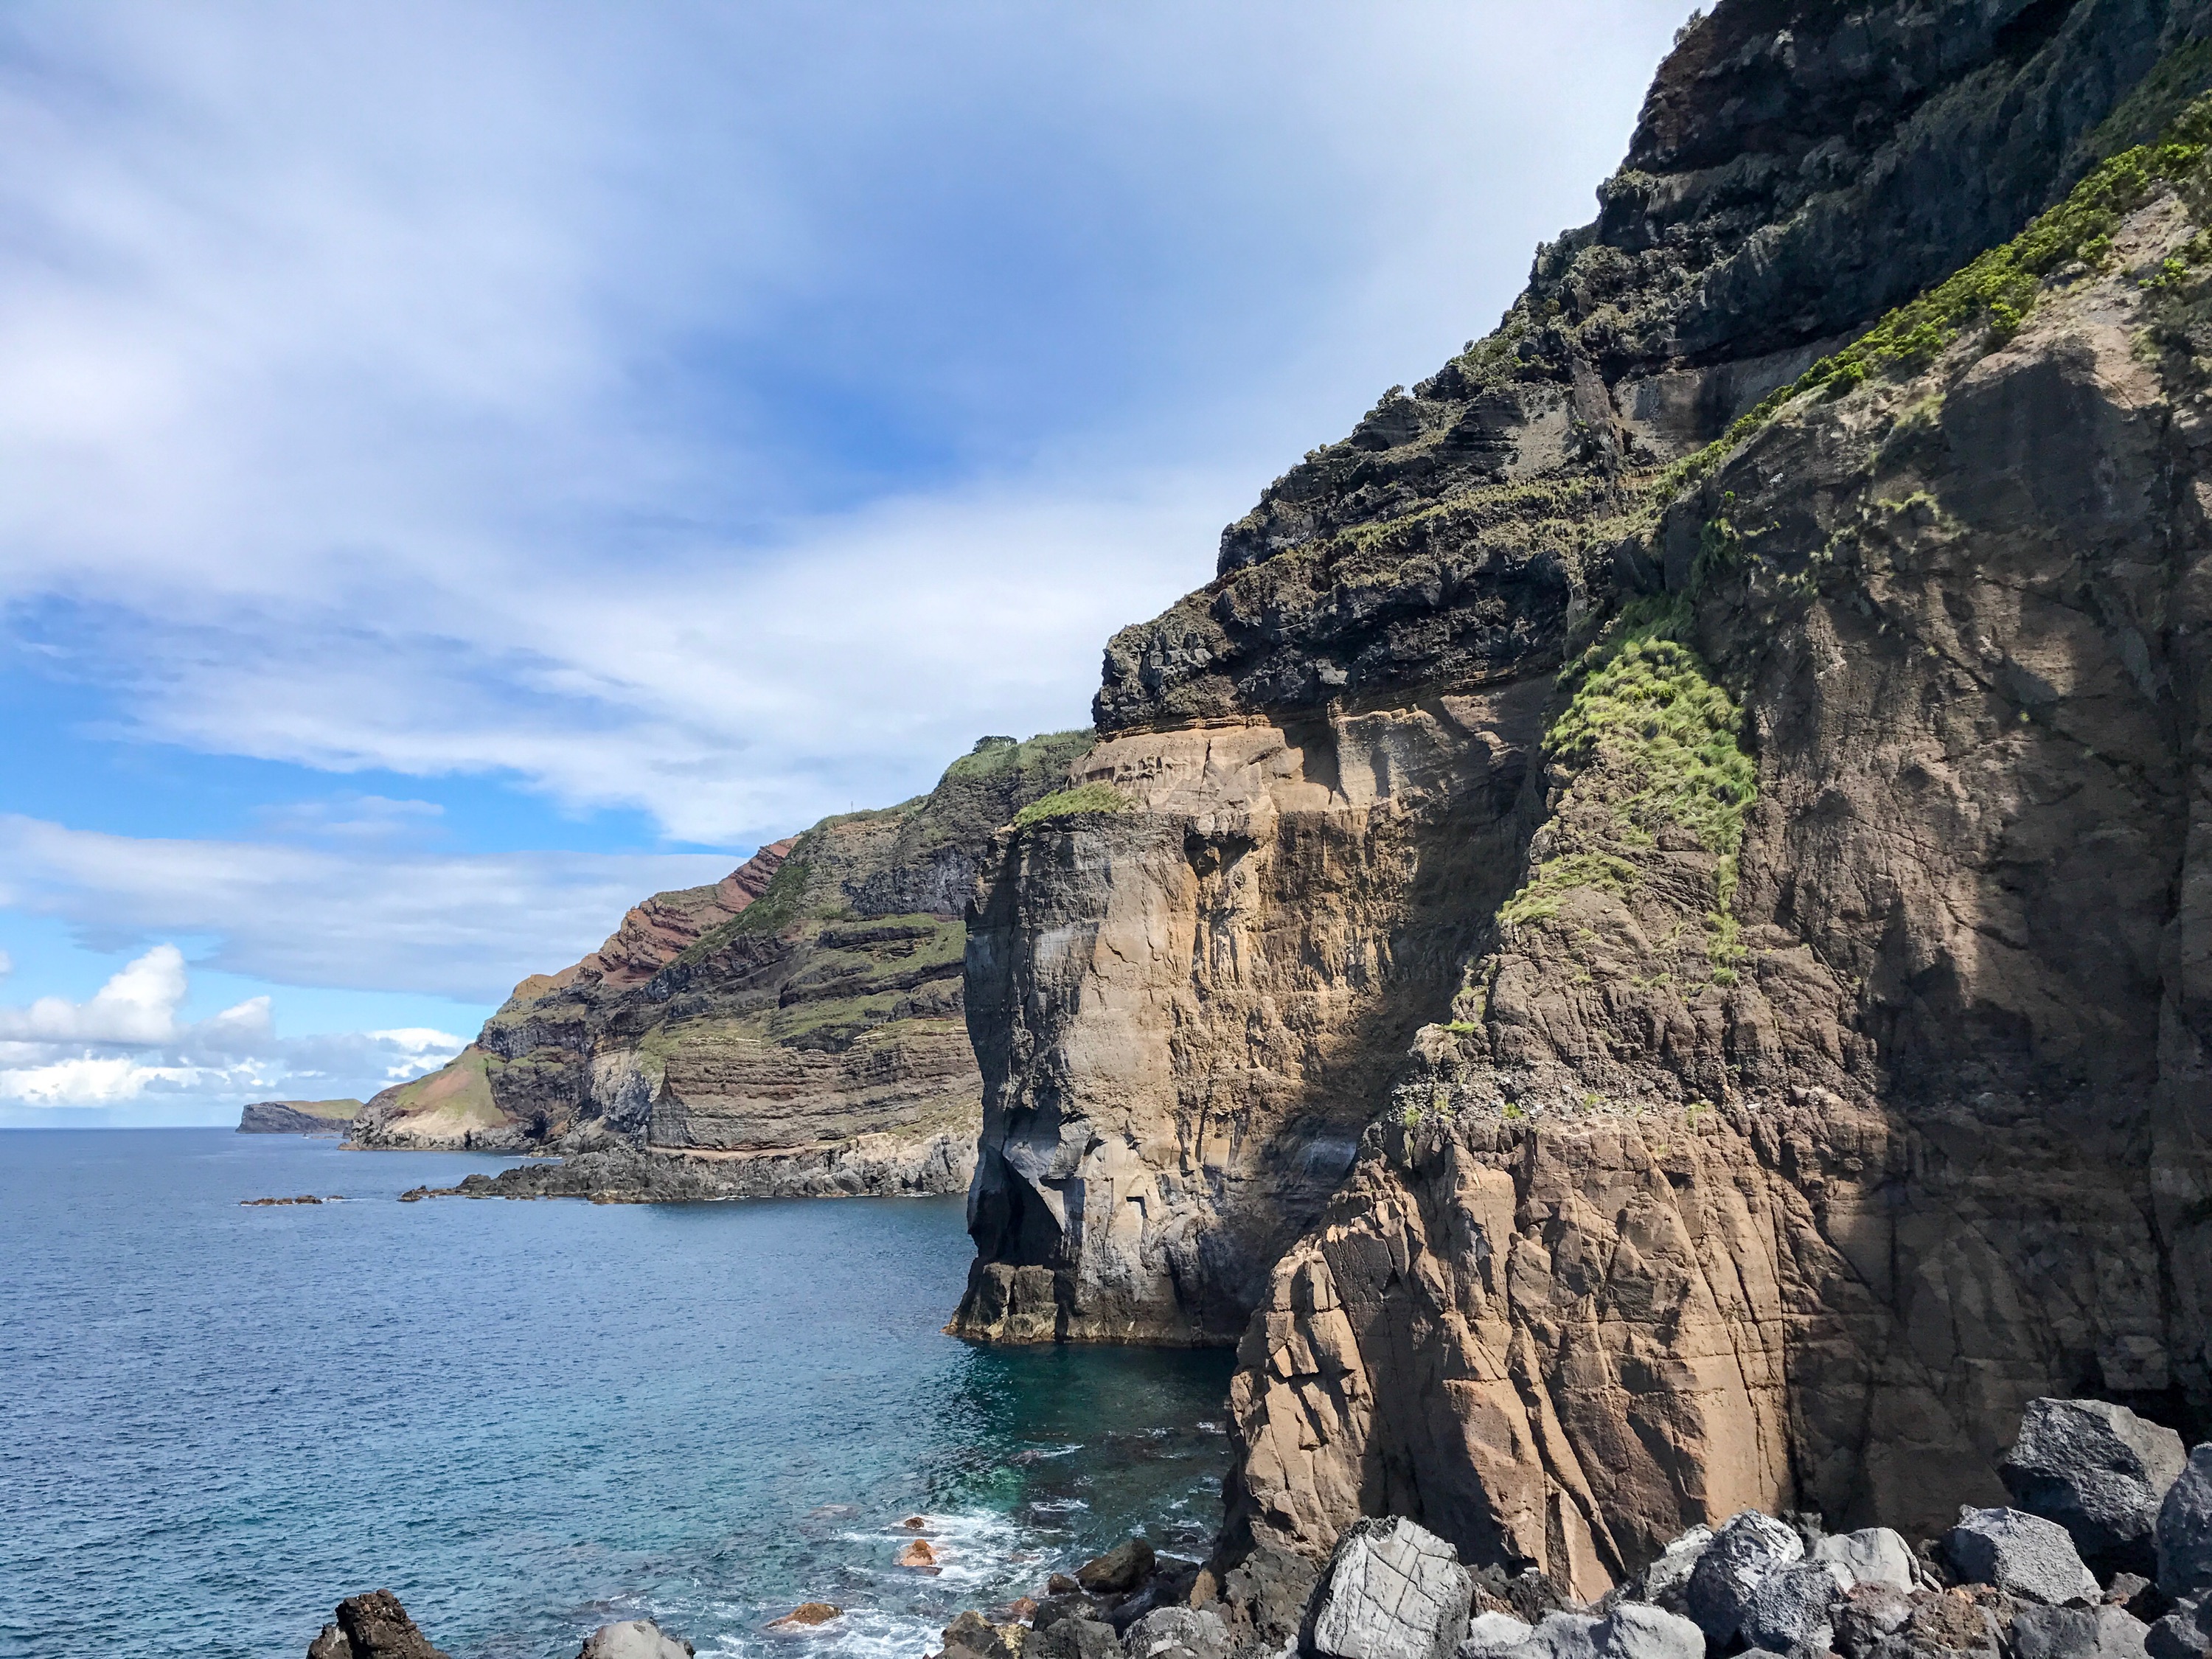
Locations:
2001 288
1650 741
1074 803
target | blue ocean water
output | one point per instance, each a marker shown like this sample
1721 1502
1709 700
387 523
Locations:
527 1419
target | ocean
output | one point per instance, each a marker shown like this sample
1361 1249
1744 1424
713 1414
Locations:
527 1419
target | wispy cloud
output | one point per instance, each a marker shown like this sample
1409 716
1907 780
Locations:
726 412
452 925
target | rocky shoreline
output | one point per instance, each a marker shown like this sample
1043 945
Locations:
865 1166
2106 1553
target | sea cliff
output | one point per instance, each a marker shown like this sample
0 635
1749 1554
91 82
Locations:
298 1117
1638 948
794 1030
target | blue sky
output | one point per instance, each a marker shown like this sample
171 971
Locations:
465 466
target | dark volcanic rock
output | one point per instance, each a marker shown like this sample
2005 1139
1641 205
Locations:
2020 1553
372 1627
2098 1470
2183 1529
1120 1569
2100 1633
1741 1557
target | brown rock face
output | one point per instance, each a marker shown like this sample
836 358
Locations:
1741 905
1800 1213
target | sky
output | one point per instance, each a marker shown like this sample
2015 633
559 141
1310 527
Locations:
465 466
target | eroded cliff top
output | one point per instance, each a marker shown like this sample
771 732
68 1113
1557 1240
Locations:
1799 169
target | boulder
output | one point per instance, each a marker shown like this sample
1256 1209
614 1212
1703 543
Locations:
1792 1610
2185 1633
1074 1638
1636 1631
2020 1553
1633 1630
372 1627
2095 1469
634 1638
917 1554
1073 1604
1393 1590
1872 1555
1267 1593
1561 1636
1662 1583
1169 1585
1118 1571
1178 1633
2099 1633
1741 1556
2138 1596
2183 1529
971 1636
1493 1633
1867 1616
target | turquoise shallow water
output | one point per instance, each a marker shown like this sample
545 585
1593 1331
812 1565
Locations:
527 1419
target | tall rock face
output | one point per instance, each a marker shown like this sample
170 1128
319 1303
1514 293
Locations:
794 1028
1653 944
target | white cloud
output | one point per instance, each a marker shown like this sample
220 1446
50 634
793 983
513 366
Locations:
6 964
467 926
138 1005
59 1054
726 412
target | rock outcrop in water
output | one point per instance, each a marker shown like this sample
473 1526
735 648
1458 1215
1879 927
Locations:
794 1030
298 1117
1649 962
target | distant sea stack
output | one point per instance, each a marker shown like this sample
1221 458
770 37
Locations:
298 1117
798 1028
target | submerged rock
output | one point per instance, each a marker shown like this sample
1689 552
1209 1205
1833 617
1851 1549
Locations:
806 1615
1393 1590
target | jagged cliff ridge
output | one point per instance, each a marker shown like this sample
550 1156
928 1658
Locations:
1773 1044
796 1028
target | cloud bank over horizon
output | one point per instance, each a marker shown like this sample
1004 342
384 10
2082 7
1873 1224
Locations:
126 1044
585 433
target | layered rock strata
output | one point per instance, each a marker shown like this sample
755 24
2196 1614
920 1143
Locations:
796 1029
1699 816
